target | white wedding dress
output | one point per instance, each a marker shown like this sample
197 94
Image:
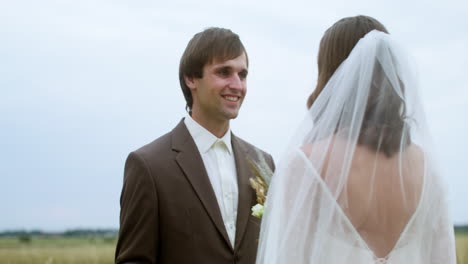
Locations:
335 198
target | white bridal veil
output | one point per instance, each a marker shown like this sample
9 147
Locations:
360 183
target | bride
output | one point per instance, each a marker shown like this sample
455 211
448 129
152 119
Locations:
360 183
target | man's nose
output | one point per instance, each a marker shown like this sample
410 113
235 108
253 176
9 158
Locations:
237 83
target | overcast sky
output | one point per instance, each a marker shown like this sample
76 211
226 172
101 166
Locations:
85 82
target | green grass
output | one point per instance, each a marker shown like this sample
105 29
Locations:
57 251
101 251
462 247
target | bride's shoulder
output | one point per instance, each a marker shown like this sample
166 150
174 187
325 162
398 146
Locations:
319 152
415 150
414 159
319 145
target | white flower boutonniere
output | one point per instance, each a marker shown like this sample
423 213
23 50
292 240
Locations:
257 210
260 183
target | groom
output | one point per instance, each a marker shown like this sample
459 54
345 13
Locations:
186 196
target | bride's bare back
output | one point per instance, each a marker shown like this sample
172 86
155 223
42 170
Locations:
395 183
381 193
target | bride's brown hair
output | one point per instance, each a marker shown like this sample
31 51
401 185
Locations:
336 45
383 125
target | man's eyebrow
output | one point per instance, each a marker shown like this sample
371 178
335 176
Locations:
220 66
228 67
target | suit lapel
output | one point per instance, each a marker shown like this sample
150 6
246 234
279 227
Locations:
191 163
246 194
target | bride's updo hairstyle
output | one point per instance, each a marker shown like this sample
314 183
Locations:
383 122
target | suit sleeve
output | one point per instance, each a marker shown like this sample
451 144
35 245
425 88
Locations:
138 239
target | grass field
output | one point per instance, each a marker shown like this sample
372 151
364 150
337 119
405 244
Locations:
99 250
462 247
57 251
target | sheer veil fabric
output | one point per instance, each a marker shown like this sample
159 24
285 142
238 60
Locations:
359 183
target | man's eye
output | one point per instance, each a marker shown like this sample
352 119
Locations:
243 75
224 72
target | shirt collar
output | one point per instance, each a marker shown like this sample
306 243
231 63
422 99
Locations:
203 138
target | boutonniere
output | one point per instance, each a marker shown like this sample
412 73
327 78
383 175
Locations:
260 182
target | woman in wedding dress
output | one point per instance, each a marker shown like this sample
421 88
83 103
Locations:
360 182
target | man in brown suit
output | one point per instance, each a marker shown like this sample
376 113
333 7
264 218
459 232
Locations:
186 196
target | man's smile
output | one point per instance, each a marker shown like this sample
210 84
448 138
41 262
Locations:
231 98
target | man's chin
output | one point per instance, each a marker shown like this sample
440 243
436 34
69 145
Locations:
233 115
230 113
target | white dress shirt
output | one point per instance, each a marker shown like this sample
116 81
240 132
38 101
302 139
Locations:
219 162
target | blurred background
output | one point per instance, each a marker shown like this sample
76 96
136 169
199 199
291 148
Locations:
83 83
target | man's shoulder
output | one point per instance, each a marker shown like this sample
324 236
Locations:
250 147
160 147
157 146
255 152
154 155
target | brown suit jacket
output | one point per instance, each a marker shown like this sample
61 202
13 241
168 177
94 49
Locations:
169 212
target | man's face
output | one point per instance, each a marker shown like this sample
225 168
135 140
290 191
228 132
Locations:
218 95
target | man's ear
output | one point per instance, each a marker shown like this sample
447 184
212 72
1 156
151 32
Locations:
190 82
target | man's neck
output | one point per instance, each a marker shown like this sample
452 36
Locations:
216 127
